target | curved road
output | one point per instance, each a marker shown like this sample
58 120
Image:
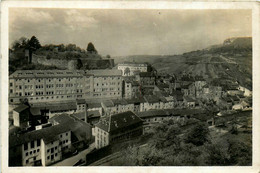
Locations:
74 159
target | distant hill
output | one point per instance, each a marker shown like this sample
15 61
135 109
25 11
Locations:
231 60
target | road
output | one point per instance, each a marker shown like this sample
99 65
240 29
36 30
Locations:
72 160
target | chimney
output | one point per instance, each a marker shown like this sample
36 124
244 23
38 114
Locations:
86 113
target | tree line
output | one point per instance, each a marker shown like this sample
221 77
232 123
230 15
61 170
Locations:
34 44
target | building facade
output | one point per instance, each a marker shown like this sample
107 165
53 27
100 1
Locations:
129 69
106 83
63 85
41 147
118 127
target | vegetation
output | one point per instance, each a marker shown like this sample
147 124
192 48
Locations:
91 48
170 146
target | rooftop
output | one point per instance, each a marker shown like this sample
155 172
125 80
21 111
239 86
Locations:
151 99
58 107
79 128
189 99
46 73
146 74
80 101
133 64
48 134
118 121
21 108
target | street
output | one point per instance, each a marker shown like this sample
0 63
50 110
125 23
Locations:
74 159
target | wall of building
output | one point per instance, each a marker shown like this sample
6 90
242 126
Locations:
32 153
107 87
101 138
51 152
131 68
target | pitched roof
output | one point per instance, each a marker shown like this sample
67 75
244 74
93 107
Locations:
118 121
108 103
151 99
60 106
94 105
152 113
189 99
78 127
146 74
80 101
21 108
35 111
48 134
119 102
94 114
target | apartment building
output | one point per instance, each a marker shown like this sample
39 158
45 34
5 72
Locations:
106 83
48 85
63 85
39 147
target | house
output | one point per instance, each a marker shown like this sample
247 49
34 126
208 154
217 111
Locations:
93 106
81 131
189 102
109 107
131 88
81 105
118 127
39 147
21 116
151 102
146 78
27 117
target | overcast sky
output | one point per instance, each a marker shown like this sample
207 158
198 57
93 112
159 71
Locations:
130 32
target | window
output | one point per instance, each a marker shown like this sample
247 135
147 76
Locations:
26 153
25 146
52 150
56 154
11 84
56 148
38 150
32 144
48 150
30 152
67 141
66 134
34 158
38 142
34 151
48 157
61 135
52 157
27 161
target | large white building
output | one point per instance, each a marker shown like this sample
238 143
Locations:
129 69
63 85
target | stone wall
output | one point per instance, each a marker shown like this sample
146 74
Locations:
70 64
38 59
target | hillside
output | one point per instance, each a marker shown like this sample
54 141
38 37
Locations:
231 60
